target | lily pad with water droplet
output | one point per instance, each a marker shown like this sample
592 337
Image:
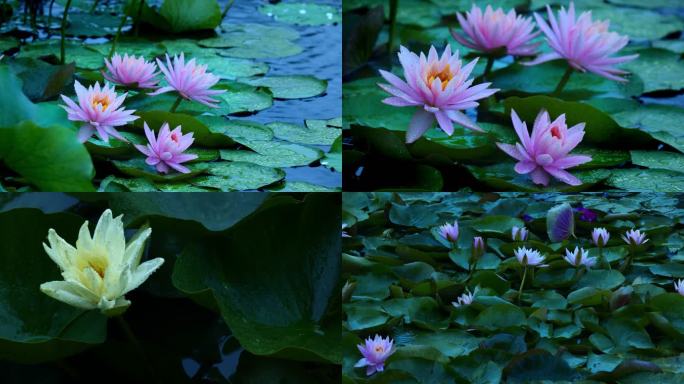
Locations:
237 129
229 176
659 160
659 69
273 154
639 24
137 167
305 135
84 56
302 13
660 121
291 87
301 186
646 180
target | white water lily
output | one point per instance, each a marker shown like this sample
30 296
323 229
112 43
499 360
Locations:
101 269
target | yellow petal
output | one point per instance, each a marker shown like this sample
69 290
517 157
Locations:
109 233
69 293
136 246
143 272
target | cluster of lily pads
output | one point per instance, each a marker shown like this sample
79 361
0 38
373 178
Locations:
230 151
490 288
613 96
161 287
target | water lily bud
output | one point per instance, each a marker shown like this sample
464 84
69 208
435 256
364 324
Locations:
519 234
600 237
478 247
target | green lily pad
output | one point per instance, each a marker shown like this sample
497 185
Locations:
137 167
84 56
291 87
201 133
254 41
239 176
273 154
503 177
119 184
305 135
301 186
303 247
57 330
191 15
134 47
638 23
659 121
659 69
659 160
646 180
333 159
237 129
115 147
302 13
92 25
232 68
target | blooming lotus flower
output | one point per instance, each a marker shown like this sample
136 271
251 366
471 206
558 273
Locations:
529 257
101 269
449 231
587 214
492 30
131 71
579 257
585 44
439 87
166 150
190 80
679 287
465 299
375 352
98 108
634 237
600 237
547 151
519 234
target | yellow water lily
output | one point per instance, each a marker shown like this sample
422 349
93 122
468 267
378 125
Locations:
101 269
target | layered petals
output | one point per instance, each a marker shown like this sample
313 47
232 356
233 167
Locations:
493 30
439 87
100 109
586 44
190 80
375 351
546 151
579 257
101 269
165 152
131 71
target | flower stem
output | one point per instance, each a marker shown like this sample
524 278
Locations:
118 33
139 15
136 344
488 68
563 81
62 47
176 103
603 259
522 284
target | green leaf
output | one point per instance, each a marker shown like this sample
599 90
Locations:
659 160
302 13
36 327
14 105
191 15
137 167
273 154
291 87
646 180
294 275
500 316
333 159
314 135
638 23
239 176
255 41
601 279
659 121
201 133
658 68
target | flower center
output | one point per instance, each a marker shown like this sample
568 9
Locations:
379 349
175 138
444 76
555 132
101 100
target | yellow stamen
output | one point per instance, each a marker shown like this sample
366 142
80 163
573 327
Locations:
102 100
444 76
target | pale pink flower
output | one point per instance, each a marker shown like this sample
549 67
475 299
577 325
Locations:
679 287
449 231
547 151
466 298
190 80
600 236
100 110
131 71
375 352
579 257
439 87
519 234
585 44
166 150
634 237
479 245
492 30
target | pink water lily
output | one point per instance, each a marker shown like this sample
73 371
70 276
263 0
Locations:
131 71
166 150
375 352
439 87
546 152
190 80
99 108
587 45
492 30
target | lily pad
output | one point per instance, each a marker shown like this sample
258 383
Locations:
659 160
646 180
305 135
333 159
659 69
291 87
273 154
660 121
191 15
137 167
239 176
638 23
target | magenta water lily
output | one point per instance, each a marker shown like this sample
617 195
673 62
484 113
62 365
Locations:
439 87
165 152
375 351
587 45
131 71
100 111
546 152
491 30
449 231
191 80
